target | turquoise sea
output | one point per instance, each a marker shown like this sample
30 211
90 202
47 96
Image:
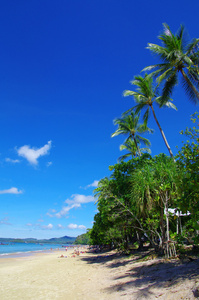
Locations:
20 249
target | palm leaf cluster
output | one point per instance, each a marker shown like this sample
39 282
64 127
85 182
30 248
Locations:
177 56
129 125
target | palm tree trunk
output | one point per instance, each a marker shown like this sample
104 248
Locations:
137 146
162 132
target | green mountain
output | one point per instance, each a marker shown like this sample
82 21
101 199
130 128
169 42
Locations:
62 240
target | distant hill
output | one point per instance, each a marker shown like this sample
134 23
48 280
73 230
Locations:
62 240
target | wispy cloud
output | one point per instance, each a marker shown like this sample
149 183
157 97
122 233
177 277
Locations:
77 198
29 224
13 161
94 184
32 154
64 211
39 226
59 226
4 221
40 220
12 190
44 227
75 226
75 201
51 213
48 227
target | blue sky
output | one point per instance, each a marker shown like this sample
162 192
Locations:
64 67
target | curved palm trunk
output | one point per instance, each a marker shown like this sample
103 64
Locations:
136 145
189 83
162 132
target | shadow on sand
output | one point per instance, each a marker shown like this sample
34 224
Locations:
142 276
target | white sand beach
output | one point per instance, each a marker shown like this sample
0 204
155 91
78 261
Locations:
96 276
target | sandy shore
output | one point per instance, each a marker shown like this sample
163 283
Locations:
96 276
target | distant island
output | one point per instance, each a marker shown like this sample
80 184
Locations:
62 240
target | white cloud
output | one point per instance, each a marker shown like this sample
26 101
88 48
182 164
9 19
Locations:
13 161
82 227
64 211
75 201
75 226
77 198
12 190
72 226
49 226
49 163
32 154
94 184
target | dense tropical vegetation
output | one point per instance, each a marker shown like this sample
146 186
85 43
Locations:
147 200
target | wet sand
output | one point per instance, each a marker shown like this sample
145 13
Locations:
96 276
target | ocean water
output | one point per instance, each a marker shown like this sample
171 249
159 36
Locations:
26 248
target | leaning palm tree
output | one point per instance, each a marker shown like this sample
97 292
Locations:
132 150
145 96
177 56
129 125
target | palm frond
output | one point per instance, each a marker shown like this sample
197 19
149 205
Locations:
123 157
139 107
164 75
193 75
190 89
176 55
169 86
162 103
158 50
191 47
144 141
128 93
146 115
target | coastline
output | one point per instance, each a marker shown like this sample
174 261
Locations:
20 248
66 275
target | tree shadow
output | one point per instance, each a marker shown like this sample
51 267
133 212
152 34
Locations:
101 258
141 277
154 275
116 259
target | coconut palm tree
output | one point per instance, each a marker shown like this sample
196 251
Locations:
129 125
145 96
132 150
177 56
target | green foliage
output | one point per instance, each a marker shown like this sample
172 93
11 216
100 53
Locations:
177 57
83 239
134 202
129 125
156 198
188 159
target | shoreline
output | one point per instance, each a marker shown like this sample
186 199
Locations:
32 252
66 275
